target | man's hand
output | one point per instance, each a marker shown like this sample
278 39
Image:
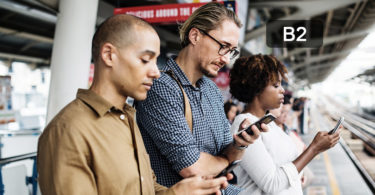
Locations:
247 139
236 149
199 185
208 164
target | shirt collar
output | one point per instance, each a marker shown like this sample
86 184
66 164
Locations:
98 103
172 65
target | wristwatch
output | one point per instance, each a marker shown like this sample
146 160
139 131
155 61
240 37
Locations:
239 147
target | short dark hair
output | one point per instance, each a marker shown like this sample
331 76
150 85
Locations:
228 105
287 98
119 30
297 104
250 75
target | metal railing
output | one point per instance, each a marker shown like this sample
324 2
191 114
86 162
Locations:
360 127
28 180
364 129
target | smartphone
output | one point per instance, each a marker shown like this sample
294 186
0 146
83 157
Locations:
337 126
229 168
265 119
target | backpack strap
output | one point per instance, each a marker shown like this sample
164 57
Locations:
188 114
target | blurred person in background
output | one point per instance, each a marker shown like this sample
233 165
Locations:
297 108
282 114
231 110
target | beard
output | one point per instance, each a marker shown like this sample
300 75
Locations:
207 73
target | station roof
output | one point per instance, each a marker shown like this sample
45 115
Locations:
27 30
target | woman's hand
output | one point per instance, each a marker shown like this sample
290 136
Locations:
323 141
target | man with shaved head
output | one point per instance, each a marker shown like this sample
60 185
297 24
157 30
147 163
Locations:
93 145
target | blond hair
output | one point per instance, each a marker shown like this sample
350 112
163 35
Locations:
206 18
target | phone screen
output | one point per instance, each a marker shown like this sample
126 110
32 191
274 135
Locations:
336 126
229 168
265 119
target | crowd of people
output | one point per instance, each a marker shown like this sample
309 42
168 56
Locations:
180 137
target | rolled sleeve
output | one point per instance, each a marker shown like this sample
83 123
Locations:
231 190
161 116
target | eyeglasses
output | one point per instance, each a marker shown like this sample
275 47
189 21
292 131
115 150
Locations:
224 49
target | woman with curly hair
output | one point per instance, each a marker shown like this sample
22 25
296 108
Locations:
271 165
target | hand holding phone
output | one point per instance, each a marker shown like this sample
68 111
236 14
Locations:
229 168
337 126
265 119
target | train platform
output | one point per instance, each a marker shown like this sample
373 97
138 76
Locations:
334 171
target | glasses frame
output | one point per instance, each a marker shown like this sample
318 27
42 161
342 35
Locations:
233 52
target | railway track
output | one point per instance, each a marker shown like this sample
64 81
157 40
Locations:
359 128
362 128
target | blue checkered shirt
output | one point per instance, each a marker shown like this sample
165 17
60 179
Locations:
166 134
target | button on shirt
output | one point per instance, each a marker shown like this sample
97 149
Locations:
168 139
91 147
